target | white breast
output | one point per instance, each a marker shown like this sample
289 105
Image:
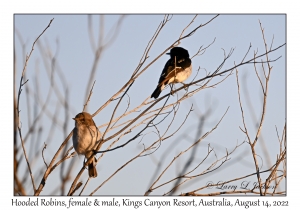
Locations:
181 76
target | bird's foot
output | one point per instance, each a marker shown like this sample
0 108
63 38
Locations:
84 163
172 92
185 86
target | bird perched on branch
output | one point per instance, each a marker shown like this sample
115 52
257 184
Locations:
177 69
86 137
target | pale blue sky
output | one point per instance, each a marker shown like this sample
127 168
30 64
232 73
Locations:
68 36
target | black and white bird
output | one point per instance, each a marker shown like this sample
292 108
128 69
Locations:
177 69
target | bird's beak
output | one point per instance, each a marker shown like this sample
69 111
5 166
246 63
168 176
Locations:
168 53
73 118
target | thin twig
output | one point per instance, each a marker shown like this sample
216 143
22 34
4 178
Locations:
45 145
18 108
88 99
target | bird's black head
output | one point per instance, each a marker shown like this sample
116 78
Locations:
179 51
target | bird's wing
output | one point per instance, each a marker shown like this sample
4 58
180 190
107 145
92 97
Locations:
171 72
169 66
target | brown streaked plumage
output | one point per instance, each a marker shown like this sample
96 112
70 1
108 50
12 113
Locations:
85 139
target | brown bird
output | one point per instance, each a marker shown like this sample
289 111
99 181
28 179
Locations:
177 69
86 137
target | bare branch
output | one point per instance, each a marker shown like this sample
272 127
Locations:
88 99
18 109
45 145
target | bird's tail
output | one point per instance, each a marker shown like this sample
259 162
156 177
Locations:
156 92
92 168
